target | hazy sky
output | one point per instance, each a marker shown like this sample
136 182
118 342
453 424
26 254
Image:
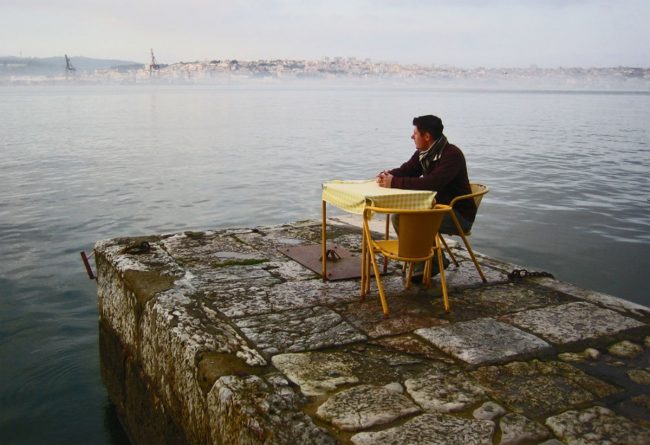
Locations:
467 33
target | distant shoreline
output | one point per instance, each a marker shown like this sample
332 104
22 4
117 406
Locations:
15 70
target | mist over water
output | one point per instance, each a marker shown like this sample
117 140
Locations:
568 174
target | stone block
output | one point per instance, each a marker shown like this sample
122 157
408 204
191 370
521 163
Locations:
252 410
485 341
444 389
432 429
537 389
298 330
504 298
364 406
488 411
517 429
596 426
318 373
572 322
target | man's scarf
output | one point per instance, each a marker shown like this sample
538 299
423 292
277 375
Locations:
427 158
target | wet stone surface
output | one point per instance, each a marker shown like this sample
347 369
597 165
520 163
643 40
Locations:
488 411
517 429
572 322
505 298
432 429
485 341
625 349
233 342
537 389
415 346
597 425
444 389
364 406
318 373
407 313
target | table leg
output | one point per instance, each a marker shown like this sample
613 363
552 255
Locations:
324 241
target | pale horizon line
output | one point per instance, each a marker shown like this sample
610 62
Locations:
441 65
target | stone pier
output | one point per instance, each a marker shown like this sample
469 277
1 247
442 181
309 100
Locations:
218 338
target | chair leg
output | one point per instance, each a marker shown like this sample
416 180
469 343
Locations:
443 279
368 265
467 246
426 278
453 258
363 265
382 296
386 237
409 276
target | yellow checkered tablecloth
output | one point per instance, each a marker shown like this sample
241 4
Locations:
353 196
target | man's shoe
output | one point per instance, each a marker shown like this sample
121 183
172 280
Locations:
445 263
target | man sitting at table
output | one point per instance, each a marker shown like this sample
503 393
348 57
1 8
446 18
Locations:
438 166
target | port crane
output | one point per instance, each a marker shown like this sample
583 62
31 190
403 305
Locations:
153 66
69 69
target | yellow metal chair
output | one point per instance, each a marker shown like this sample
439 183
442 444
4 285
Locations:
418 241
478 191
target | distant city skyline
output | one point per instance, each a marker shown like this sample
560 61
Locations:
464 33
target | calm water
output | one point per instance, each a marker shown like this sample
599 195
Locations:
568 174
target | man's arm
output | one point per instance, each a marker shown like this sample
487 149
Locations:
412 167
438 178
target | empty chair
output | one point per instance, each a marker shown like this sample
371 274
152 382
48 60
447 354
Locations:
418 241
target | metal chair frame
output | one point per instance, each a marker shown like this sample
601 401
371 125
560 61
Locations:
419 242
478 191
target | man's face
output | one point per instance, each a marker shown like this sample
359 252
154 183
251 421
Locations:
422 140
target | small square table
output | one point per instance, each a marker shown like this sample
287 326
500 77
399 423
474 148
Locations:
354 195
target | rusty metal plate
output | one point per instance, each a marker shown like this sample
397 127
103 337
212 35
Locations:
343 267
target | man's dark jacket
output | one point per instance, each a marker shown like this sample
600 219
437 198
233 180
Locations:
447 176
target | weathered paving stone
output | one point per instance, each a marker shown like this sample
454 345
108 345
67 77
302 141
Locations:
407 313
298 330
625 349
291 295
432 429
395 387
364 406
414 346
317 373
517 429
488 411
466 275
577 357
444 389
250 410
572 322
597 425
537 389
639 376
485 341
503 299
608 301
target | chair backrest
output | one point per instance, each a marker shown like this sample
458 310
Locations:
478 191
417 229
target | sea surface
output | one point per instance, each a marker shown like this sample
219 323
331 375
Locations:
568 172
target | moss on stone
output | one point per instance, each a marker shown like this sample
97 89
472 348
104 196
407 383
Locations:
213 365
